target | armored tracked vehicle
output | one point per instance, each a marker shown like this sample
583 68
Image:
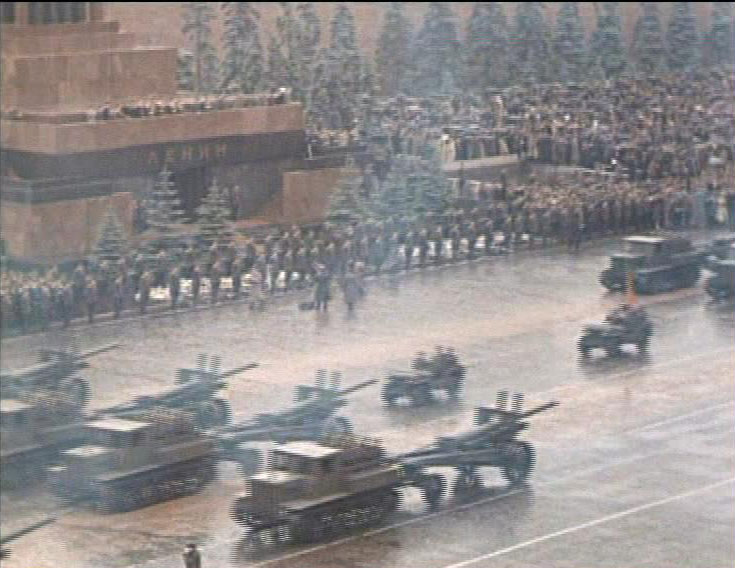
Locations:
129 464
721 285
658 264
32 433
441 372
626 325
55 373
315 490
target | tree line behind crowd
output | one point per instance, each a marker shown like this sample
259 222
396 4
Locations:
497 49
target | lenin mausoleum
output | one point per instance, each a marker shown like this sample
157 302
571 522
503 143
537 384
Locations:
62 169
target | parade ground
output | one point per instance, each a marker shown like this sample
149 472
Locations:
636 466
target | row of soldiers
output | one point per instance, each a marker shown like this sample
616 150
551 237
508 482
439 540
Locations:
531 215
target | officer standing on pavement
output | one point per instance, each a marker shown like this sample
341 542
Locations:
192 557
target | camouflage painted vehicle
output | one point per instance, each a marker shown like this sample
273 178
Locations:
317 490
658 264
441 372
721 285
626 325
56 373
32 434
129 464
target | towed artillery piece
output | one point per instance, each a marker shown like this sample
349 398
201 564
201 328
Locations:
55 373
721 285
315 490
441 372
127 464
494 443
626 325
15 535
197 393
32 433
658 264
312 416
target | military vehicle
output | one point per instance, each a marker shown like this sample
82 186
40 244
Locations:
721 285
56 373
197 393
312 416
15 535
658 264
493 443
315 490
441 372
127 464
32 433
626 325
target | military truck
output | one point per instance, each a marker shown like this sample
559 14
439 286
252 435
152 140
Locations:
32 433
314 490
721 285
658 264
128 464
626 325
441 372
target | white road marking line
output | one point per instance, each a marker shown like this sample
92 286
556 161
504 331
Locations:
601 520
680 417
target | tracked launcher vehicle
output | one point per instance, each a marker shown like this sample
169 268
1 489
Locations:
56 373
32 433
658 264
128 464
441 372
316 490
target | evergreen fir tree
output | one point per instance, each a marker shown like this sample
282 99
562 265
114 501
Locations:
164 206
214 214
185 70
436 52
348 203
112 243
608 49
198 17
570 43
393 57
308 39
533 56
648 50
486 53
720 41
243 53
682 38
337 75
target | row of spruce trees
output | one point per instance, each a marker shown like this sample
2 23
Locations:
496 50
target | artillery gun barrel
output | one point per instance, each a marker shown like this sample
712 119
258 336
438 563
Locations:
238 370
357 387
83 354
539 409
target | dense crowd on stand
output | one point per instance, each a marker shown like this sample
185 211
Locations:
656 135
159 107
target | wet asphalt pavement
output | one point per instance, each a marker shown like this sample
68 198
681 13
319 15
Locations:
636 467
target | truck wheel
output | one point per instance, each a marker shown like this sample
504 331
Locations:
221 414
389 395
433 488
613 351
584 349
